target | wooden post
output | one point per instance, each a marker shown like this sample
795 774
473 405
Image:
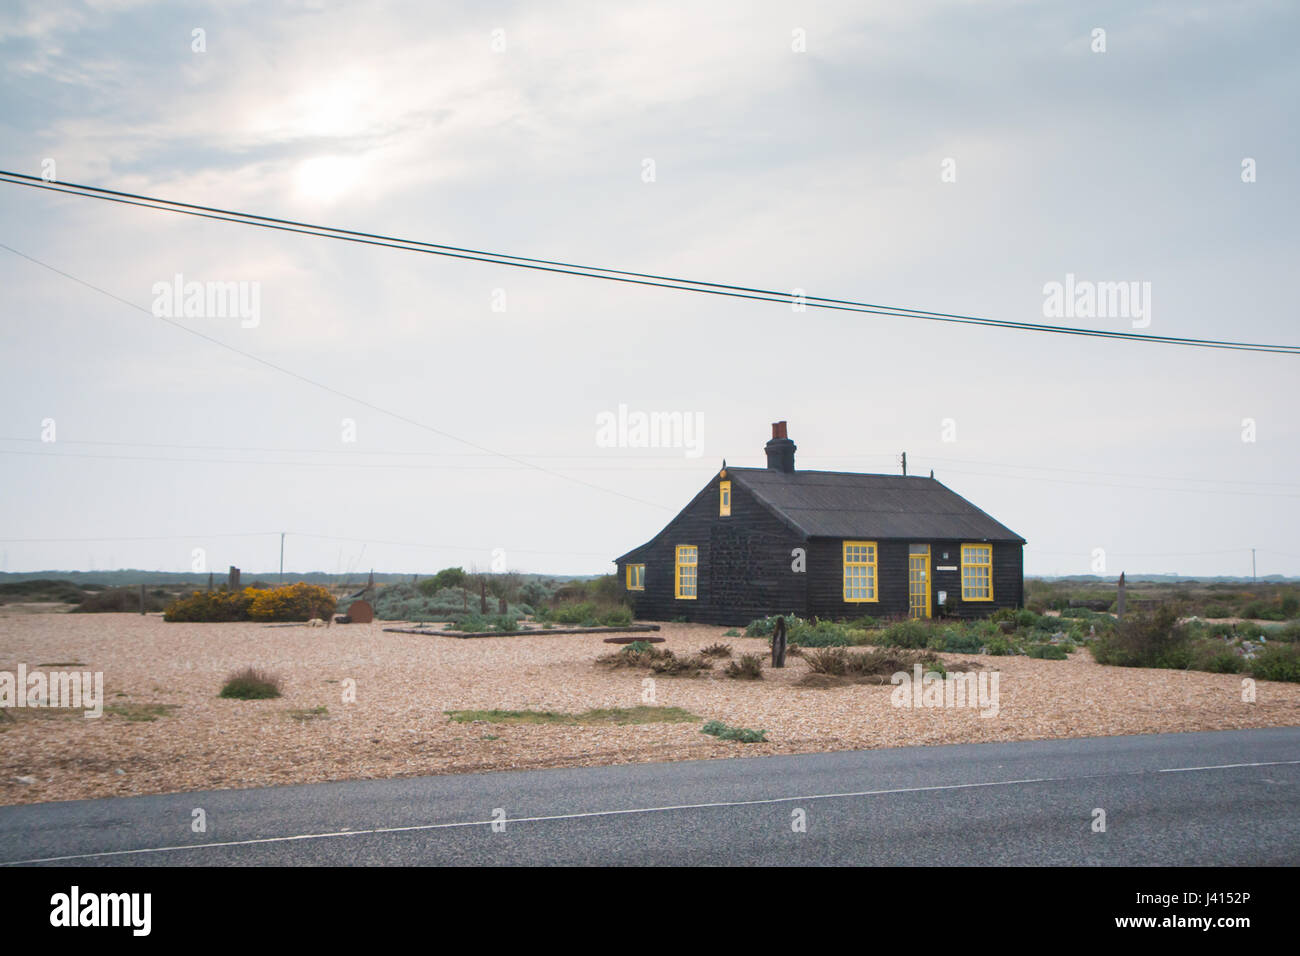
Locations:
482 596
1119 598
778 643
209 580
502 607
141 600
233 583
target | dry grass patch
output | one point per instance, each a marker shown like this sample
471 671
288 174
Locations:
748 667
140 712
836 666
309 713
642 655
599 715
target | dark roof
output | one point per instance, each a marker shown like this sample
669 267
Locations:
836 504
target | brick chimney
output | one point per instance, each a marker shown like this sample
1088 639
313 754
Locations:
780 450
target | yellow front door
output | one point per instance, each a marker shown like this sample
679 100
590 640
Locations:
918 581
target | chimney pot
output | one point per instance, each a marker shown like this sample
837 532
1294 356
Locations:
780 450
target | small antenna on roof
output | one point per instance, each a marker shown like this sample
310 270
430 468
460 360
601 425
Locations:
904 460
931 472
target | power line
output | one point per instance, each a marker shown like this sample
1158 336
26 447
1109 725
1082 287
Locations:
597 272
328 388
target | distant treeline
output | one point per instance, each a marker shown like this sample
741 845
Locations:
128 577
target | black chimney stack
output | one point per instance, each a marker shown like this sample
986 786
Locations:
780 450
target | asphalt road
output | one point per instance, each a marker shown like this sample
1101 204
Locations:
1209 799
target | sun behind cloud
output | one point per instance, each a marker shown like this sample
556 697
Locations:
324 179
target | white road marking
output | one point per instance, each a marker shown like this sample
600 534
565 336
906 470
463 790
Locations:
610 813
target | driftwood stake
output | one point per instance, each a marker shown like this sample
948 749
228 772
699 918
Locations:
778 643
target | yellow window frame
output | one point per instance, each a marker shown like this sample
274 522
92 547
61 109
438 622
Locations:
860 583
636 577
724 499
977 572
686 575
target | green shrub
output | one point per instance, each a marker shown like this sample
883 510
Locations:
717 728
1000 647
1047 652
909 634
251 684
1217 657
1022 617
618 617
1279 662
1146 639
446 579
957 641
1287 632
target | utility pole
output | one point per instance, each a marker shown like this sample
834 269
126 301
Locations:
281 557
904 464
1253 579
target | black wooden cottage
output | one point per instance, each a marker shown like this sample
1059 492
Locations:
826 544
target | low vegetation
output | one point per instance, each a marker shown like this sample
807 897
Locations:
746 667
146 713
122 600
642 655
43 591
1006 632
874 666
1161 637
309 713
479 623
602 715
1268 601
251 684
716 728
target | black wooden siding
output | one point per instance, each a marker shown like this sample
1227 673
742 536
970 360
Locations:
826 579
744 570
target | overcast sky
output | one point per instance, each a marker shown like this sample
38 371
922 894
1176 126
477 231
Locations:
944 156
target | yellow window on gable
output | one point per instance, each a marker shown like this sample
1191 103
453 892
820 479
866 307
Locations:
860 571
636 577
687 576
724 498
977 572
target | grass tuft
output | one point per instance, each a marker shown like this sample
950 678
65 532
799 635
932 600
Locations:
251 684
716 728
